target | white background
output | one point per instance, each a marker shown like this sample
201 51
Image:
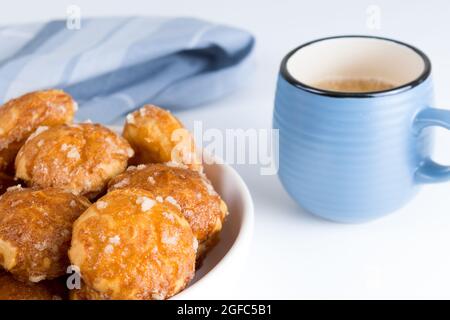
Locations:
295 255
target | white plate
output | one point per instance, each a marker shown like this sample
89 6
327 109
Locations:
221 268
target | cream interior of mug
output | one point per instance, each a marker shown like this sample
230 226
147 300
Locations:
355 58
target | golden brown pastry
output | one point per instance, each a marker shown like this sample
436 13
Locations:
20 117
188 189
12 289
6 182
157 136
78 158
87 293
35 231
130 246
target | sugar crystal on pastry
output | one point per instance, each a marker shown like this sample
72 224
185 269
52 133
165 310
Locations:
132 250
78 158
186 189
35 231
32 112
157 137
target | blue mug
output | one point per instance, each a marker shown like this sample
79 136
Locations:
353 156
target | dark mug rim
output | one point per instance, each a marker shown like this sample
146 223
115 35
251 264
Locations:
337 94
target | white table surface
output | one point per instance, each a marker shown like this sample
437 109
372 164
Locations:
295 255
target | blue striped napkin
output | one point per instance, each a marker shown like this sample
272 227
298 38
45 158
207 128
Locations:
114 65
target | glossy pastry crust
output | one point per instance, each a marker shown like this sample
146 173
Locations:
12 289
79 158
130 246
87 293
157 136
190 190
35 231
20 117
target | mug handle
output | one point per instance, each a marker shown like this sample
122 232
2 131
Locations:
430 171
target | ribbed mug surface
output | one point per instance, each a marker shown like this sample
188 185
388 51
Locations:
350 159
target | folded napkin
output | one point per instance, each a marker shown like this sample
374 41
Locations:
114 65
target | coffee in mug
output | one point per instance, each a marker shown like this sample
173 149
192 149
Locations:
354 85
